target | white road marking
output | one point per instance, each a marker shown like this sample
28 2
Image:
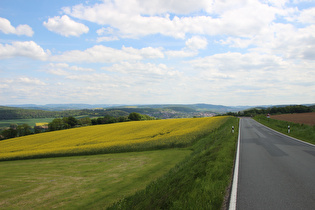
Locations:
233 197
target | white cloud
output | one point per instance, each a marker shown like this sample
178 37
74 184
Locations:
279 39
236 62
103 54
95 78
30 81
307 16
68 67
24 49
197 43
65 26
145 18
63 69
148 70
107 38
7 28
192 46
253 77
181 53
105 31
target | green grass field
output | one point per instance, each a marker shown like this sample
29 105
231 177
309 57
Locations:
30 122
86 182
299 131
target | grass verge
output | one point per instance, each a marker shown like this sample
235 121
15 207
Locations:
82 182
299 131
199 182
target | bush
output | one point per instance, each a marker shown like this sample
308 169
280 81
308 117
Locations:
134 116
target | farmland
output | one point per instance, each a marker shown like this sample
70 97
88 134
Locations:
110 138
197 174
302 118
86 182
31 122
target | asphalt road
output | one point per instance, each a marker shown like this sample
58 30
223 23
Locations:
275 171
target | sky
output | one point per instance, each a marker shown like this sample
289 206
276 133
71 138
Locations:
224 52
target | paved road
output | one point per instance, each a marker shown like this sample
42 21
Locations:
275 172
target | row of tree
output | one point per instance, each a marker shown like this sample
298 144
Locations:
69 122
273 110
11 113
16 131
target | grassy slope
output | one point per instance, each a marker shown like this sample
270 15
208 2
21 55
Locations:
199 182
299 131
92 182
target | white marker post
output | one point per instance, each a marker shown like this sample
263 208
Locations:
288 128
232 129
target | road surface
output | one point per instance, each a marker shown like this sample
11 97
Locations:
275 171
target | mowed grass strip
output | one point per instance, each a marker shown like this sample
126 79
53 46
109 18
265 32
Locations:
300 131
110 138
81 182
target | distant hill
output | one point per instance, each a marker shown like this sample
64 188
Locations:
61 107
195 107
163 111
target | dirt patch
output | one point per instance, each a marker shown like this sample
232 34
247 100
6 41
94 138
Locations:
302 118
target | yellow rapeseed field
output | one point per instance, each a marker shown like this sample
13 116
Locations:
41 124
109 138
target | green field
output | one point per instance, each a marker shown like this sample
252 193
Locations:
30 122
300 131
94 181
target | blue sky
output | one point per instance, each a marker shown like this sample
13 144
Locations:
240 52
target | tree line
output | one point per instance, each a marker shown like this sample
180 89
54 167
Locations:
273 110
69 122
11 113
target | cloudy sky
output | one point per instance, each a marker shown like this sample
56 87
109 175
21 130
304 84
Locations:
228 52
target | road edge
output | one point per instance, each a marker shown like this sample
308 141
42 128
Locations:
301 141
233 197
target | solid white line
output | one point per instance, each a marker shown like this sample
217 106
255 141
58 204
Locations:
233 197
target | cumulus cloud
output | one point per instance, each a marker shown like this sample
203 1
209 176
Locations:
107 38
197 43
231 17
103 54
148 70
109 35
23 49
65 26
191 49
30 81
181 53
307 16
251 77
63 69
7 28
